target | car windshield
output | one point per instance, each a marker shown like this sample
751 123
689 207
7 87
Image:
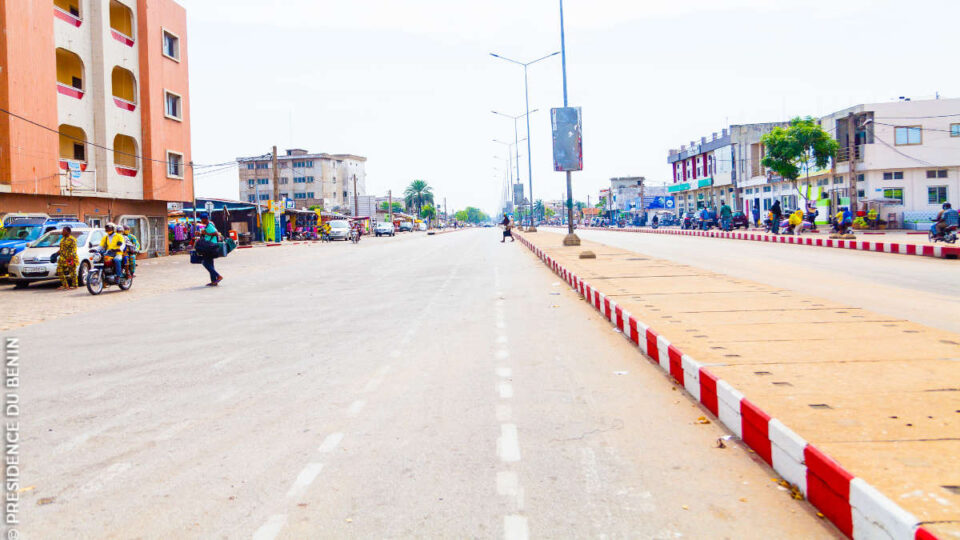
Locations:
21 232
339 225
52 238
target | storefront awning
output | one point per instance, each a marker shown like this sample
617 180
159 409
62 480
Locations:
678 187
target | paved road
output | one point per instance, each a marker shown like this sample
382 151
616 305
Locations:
920 289
442 386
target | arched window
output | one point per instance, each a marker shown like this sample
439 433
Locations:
124 88
121 23
69 73
125 152
73 143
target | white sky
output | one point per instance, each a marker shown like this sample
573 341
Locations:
410 84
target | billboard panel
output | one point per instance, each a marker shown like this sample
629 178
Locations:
567 142
518 194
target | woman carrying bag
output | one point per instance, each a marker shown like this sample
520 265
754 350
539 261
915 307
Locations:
208 248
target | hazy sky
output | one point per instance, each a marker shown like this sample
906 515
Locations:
410 84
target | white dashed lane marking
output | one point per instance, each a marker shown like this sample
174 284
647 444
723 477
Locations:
504 372
505 389
515 528
330 443
304 479
356 407
271 528
508 445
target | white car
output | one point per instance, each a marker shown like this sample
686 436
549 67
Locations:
421 226
33 264
384 228
340 230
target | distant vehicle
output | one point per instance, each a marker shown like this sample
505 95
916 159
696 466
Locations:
487 224
20 231
421 226
384 228
740 220
339 230
33 263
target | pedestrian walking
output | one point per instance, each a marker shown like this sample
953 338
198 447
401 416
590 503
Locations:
507 226
207 247
776 214
726 216
67 260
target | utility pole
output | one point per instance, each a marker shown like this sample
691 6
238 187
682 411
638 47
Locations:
356 200
852 157
390 204
571 238
445 218
278 224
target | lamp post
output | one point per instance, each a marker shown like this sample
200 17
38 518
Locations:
571 238
526 92
517 142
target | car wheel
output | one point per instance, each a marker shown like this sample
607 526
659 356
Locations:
20 284
82 273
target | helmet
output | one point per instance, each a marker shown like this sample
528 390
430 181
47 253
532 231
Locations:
946 205
109 226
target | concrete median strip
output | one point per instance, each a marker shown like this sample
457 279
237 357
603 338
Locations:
805 383
902 248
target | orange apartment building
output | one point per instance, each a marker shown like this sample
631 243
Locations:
100 123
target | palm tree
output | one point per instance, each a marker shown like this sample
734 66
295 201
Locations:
417 194
538 208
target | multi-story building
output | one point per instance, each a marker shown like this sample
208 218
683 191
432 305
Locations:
325 180
905 163
625 192
99 123
709 173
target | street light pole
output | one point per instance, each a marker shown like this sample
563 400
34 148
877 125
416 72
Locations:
571 238
526 91
517 142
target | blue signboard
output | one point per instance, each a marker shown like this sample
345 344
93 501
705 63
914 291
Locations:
661 202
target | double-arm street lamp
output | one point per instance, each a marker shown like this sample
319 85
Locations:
526 91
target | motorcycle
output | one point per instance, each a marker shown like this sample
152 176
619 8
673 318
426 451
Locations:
355 236
102 274
949 235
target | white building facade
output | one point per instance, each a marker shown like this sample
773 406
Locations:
307 179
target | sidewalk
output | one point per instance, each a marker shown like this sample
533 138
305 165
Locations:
860 411
896 242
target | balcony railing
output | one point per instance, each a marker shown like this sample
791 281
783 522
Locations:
124 104
67 17
68 90
65 164
126 171
844 154
121 37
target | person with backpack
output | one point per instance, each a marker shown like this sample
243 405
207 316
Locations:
208 247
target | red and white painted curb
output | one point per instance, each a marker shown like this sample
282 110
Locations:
943 252
855 507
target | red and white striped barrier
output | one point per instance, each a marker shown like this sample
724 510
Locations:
855 507
943 252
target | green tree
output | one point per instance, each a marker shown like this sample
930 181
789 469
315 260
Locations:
794 149
428 211
548 212
417 194
538 209
461 215
397 207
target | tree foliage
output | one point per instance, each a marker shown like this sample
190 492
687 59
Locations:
418 194
397 207
792 150
428 211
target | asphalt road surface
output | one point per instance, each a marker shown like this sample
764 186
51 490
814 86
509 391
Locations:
920 289
443 386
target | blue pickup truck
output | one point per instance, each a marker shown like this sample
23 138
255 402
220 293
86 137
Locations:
17 232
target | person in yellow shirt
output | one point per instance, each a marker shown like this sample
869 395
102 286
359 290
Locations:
113 244
796 221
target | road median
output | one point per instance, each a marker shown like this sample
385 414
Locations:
859 411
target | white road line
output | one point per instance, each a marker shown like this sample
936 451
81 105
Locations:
515 528
304 479
373 384
508 445
505 389
330 443
504 413
270 529
502 339
501 325
504 372
507 483
356 407
503 354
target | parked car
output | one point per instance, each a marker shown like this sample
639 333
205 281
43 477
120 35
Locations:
421 226
406 226
19 232
740 220
384 228
340 230
33 263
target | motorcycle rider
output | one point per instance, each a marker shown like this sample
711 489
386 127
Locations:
948 217
113 244
132 247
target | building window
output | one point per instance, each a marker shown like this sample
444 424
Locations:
861 193
284 180
284 195
823 182
837 179
299 195
940 173
955 130
302 164
893 193
174 165
263 181
249 166
251 182
895 175
908 135
263 165
310 195
251 198
79 151
860 178
309 179
171 105
171 46
936 194
264 196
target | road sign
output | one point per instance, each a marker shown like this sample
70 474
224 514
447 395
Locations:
208 207
567 142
